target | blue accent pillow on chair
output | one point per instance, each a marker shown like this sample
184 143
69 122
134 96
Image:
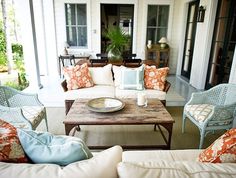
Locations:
132 78
44 147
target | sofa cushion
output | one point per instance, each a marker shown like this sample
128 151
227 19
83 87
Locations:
164 169
199 111
10 146
132 78
78 76
102 165
155 78
119 93
93 92
102 75
154 155
223 150
48 148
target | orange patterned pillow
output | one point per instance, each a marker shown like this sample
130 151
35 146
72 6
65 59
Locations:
223 150
10 146
78 77
155 78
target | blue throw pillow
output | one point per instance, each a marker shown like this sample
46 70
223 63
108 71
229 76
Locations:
48 148
132 78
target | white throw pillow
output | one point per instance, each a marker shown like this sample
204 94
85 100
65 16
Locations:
102 75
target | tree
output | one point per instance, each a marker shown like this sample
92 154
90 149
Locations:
7 36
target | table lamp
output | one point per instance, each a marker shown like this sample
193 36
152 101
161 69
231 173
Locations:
163 42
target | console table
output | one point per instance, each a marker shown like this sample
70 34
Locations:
159 55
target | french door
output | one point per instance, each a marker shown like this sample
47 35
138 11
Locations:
189 39
223 44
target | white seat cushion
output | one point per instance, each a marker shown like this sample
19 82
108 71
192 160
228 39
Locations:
167 155
199 111
150 93
92 92
164 169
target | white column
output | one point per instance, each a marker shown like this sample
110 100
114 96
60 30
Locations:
202 46
50 37
24 15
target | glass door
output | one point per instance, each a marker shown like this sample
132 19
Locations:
117 15
189 39
223 44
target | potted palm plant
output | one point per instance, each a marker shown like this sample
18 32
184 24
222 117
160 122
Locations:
118 42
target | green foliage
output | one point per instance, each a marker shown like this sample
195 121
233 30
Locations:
3 57
19 63
17 49
119 40
14 85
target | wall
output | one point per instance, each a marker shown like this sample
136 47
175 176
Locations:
94 29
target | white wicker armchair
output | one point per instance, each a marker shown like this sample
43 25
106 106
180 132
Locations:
214 109
21 109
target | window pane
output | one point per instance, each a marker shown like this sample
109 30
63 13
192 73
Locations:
161 32
70 14
82 36
163 16
152 15
151 33
81 14
157 22
71 36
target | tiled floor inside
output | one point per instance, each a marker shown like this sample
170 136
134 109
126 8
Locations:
52 93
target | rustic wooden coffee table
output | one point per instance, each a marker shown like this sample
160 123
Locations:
155 113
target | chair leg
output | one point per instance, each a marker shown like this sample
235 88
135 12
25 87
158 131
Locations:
202 135
183 123
46 122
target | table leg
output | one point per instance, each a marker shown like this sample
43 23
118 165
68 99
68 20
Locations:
69 127
168 127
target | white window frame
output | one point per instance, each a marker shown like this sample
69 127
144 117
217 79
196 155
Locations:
157 26
144 19
78 26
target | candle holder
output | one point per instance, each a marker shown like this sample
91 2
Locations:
142 99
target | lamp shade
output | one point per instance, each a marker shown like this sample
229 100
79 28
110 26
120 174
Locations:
163 40
66 45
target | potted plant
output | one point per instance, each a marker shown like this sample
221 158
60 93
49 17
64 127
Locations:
118 42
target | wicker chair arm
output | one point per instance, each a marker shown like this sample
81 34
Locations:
197 98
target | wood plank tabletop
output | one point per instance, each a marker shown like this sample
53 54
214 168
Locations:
154 113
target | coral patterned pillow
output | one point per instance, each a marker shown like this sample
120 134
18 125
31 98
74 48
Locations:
78 77
10 146
155 78
223 150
